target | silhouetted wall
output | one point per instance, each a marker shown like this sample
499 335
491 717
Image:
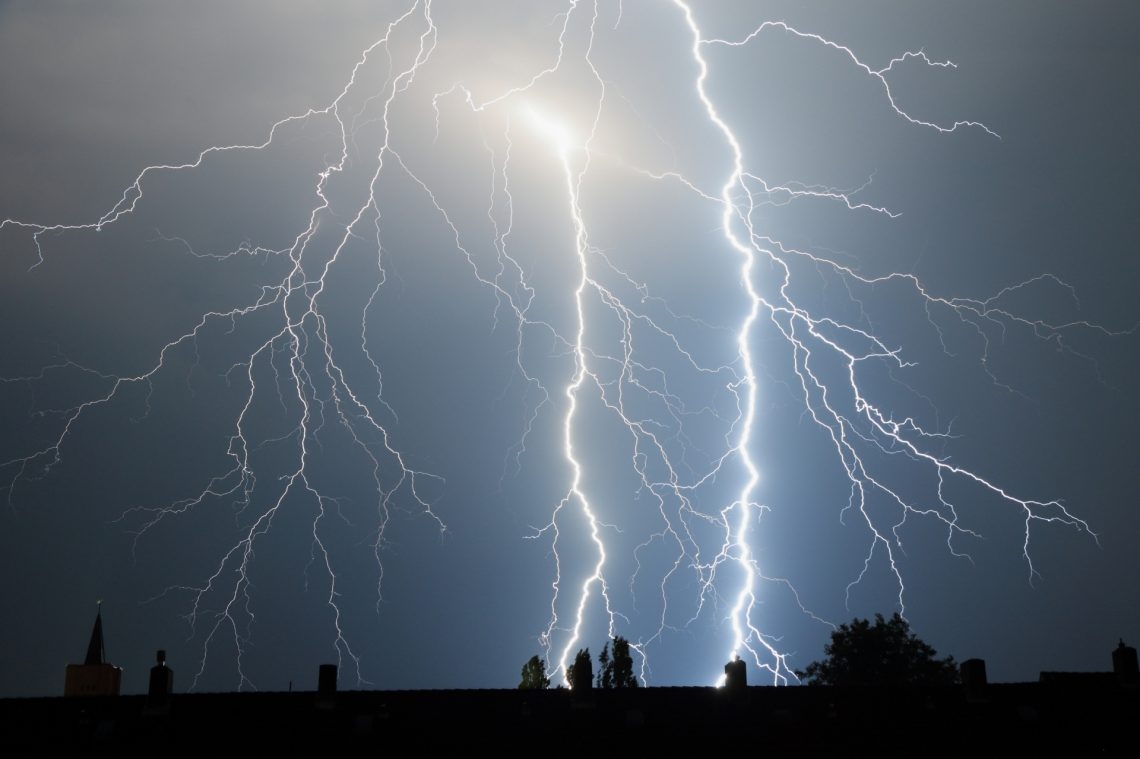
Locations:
92 680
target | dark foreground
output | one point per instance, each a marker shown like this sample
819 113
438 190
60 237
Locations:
1085 715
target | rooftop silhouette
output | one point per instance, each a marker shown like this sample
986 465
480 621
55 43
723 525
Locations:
95 676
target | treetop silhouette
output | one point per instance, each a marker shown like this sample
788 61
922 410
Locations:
885 653
534 675
580 674
616 670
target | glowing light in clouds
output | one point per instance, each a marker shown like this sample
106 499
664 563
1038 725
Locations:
624 356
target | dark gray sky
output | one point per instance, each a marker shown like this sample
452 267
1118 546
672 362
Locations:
465 222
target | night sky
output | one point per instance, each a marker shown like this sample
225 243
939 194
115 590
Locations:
307 400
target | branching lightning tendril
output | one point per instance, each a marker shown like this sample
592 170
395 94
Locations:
622 344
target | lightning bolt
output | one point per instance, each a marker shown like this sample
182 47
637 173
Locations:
801 328
623 357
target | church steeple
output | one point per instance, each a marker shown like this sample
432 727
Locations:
95 654
95 676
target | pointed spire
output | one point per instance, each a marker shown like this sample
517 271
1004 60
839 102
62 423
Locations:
95 647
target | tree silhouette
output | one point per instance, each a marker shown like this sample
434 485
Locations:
534 675
616 670
885 653
580 674
605 677
623 665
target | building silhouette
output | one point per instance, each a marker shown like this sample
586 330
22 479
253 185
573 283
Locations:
1076 713
95 676
1125 665
160 685
736 675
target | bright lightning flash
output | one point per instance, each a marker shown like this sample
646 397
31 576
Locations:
625 353
551 129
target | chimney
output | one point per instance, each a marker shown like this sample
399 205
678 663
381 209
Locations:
161 683
973 674
736 675
1124 664
326 686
